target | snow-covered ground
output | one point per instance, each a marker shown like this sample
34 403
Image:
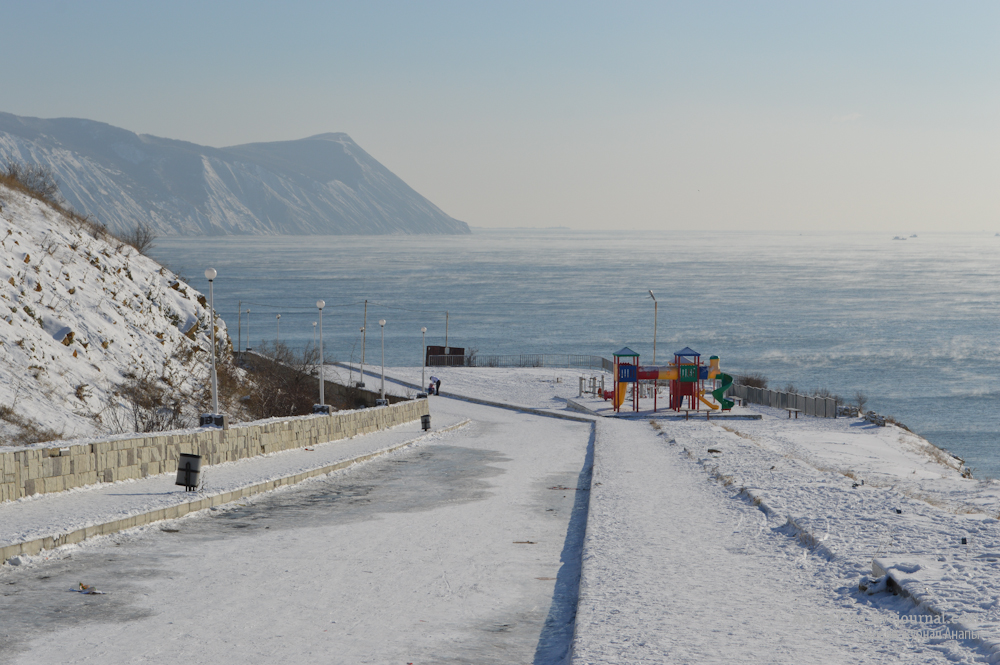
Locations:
533 387
728 541
80 313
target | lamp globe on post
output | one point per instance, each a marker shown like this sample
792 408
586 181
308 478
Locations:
320 304
210 275
382 324
423 362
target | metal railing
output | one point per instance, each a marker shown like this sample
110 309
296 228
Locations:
821 407
523 360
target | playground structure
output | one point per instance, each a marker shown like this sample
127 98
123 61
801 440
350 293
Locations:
686 378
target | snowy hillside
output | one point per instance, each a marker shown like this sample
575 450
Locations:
320 185
82 315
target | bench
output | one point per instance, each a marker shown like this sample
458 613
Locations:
795 411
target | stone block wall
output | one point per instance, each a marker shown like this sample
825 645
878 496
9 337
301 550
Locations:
40 470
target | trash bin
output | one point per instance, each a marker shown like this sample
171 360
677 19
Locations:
188 471
425 422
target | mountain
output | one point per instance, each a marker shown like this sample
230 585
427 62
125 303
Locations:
86 324
321 185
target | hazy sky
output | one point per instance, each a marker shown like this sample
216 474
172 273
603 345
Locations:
778 115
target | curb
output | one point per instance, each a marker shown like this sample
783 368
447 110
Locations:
32 547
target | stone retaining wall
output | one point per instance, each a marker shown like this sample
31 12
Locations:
40 470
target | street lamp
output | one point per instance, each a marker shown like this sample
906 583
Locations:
277 333
361 380
320 304
656 383
423 363
249 339
382 324
211 274
655 307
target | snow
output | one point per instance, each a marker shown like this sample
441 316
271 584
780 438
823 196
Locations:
78 314
723 541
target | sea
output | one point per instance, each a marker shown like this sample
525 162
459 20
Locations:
912 322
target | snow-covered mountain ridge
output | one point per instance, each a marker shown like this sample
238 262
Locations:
79 316
321 185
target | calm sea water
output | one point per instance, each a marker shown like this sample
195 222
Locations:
913 323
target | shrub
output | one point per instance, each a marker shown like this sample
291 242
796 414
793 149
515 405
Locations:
32 179
860 401
754 380
145 406
141 237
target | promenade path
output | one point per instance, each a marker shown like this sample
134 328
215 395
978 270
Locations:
447 551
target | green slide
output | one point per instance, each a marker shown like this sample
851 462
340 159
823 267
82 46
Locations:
720 393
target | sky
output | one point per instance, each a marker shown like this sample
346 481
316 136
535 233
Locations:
772 116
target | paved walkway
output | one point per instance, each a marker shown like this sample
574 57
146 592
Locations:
453 550
678 570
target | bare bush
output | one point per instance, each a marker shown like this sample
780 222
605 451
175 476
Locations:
754 380
26 430
860 401
144 404
284 384
142 237
33 179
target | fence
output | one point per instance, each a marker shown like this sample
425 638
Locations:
524 360
821 407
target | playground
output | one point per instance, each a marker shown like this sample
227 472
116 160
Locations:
686 388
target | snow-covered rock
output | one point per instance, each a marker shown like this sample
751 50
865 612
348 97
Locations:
79 315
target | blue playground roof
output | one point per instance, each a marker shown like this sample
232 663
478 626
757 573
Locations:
625 351
687 351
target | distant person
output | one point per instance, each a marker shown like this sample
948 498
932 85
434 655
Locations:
437 387
435 382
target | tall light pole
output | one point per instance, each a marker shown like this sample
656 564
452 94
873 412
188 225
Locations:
656 383
320 304
423 363
361 380
277 333
249 340
364 334
210 274
382 324
655 307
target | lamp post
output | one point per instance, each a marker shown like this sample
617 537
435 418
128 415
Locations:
655 307
249 340
656 384
320 304
277 333
364 325
382 324
423 363
210 274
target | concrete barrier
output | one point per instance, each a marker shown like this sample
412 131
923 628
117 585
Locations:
41 470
